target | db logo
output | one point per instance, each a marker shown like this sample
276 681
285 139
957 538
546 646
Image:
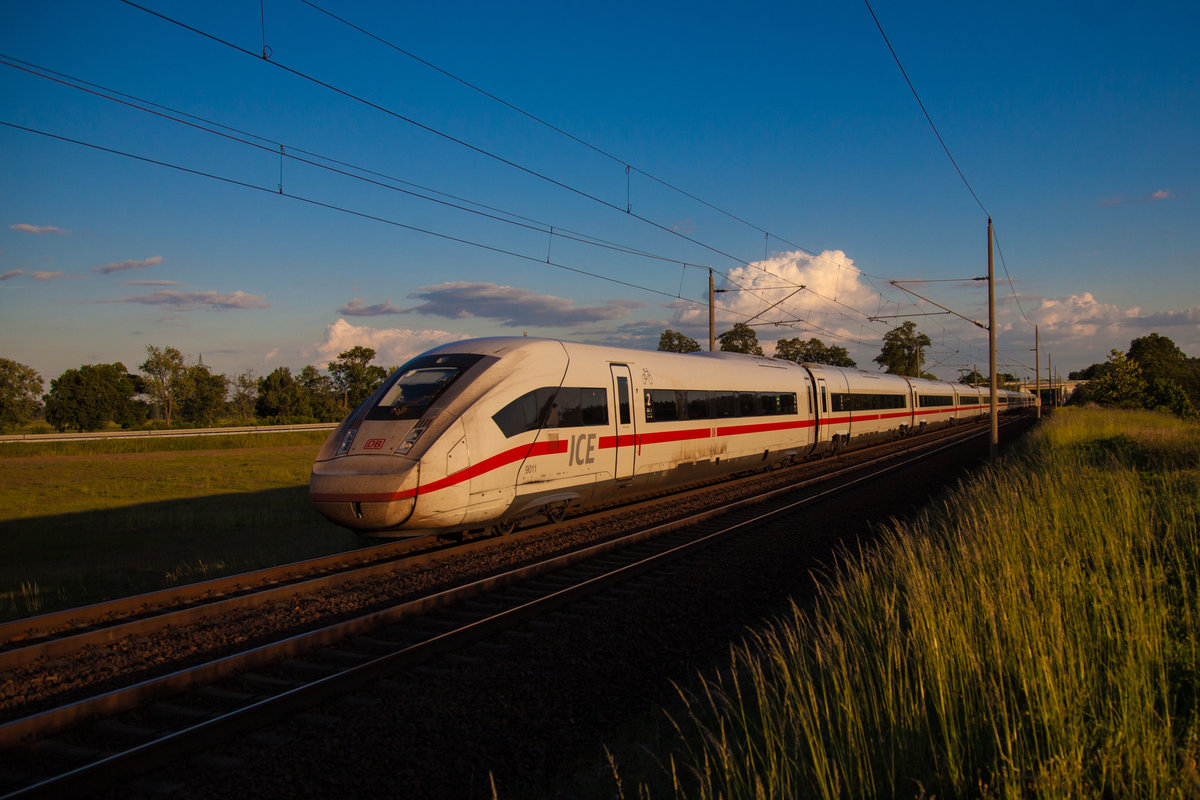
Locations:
374 444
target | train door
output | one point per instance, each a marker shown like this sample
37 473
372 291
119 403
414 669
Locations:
625 442
823 411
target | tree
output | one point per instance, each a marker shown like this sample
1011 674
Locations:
325 403
741 338
1120 385
280 396
163 369
973 378
1162 395
245 390
814 351
901 353
91 396
676 342
20 387
1162 361
202 395
353 376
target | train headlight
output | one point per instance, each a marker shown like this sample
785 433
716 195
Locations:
412 437
347 440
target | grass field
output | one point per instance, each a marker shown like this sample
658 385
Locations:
1037 635
82 522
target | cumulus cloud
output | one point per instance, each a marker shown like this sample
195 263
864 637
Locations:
511 306
12 273
1081 315
196 301
769 290
40 230
119 266
392 346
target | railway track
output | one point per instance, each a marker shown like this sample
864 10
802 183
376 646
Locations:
276 678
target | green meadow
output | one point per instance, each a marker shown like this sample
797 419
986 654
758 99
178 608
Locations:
82 522
1036 634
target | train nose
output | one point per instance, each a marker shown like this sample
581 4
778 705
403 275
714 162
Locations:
369 493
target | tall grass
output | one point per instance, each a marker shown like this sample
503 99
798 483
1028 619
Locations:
1037 635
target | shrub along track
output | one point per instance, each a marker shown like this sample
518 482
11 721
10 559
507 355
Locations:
420 576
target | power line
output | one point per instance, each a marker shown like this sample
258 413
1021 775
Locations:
350 95
359 214
474 148
557 129
355 172
430 129
541 227
278 148
928 118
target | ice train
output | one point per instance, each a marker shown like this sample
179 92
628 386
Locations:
485 433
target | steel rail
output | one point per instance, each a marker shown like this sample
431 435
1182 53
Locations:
288 575
263 711
42 625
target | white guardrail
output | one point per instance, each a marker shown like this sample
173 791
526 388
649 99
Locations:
79 437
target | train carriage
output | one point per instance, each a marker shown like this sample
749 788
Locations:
488 432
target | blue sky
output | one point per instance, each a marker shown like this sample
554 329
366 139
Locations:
802 156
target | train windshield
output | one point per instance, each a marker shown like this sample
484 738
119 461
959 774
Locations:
414 387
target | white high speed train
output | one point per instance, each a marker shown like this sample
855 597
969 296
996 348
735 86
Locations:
488 432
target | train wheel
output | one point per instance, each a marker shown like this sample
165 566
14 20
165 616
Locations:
504 527
555 512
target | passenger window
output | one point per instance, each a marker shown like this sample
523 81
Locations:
748 404
623 399
550 407
594 406
697 405
724 404
661 406
567 405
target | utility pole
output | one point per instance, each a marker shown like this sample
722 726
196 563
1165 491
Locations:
1037 369
993 412
1050 376
712 320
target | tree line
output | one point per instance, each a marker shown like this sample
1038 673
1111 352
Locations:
1154 374
168 392
900 354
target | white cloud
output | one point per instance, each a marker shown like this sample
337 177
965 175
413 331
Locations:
119 266
152 283
1081 315
40 230
42 275
392 346
768 291
12 273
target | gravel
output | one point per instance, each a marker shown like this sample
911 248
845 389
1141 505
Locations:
533 709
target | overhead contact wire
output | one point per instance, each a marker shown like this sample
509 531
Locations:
352 212
429 129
